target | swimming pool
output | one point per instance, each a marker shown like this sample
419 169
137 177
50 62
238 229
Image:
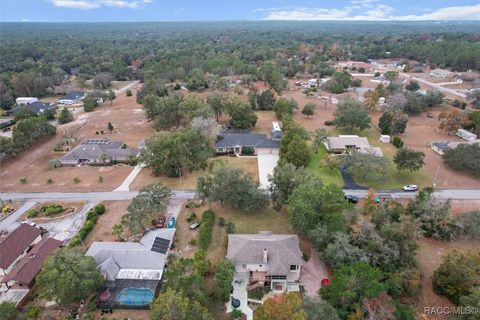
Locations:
135 296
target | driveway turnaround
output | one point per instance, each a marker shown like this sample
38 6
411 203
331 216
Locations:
266 164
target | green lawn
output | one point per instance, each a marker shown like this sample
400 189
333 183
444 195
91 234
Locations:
326 174
394 179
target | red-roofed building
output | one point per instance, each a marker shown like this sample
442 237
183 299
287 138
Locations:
24 273
15 246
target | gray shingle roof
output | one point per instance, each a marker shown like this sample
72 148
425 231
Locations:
36 107
91 150
74 95
256 140
283 250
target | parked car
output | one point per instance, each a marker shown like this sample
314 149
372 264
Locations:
351 199
160 222
171 223
410 187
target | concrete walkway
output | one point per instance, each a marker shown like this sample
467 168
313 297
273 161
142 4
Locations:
10 223
125 186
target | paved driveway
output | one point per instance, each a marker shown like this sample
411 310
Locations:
312 274
266 164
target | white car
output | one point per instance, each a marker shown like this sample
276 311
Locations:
410 187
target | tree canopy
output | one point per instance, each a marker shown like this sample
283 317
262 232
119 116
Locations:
350 115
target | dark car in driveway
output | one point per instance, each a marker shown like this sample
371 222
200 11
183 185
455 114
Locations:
351 199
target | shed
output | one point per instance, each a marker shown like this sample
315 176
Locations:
466 135
384 138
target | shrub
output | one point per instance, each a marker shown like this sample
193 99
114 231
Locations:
248 150
329 123
221 222
33 311
76 180
91 214
23 180
397 142
76 241
191 217
32 213
206 226
100 179
49 181
55 163
192 242
470 223
129 93
99 209
230 227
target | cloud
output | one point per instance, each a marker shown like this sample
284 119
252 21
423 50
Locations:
368 10
94 4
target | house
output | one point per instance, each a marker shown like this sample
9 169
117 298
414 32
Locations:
36 107
22 101
466 135
98 152
24 272
345 144
441 73
132 266
15 246
266 259
237 142
72 97
441 146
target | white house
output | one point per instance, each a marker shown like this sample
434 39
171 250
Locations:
22 101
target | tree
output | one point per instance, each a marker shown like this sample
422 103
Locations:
391 75
232 187
26 133
451 121
409 159
283 107
379 308
8 311
117 229
350 285
415 103
102 81
197 80
68 276
89 104
218 101
393 122
311 203
371 100
309 109
298 152
340 251
474 97
172 152
224 278
175 305
151 201
434 98
464 157
163 110
242 116
286 306
252 98
286 177
351 115
319 136
412 86
208 127
266 100
458 275
470 222
366 166
110 126
23 113
473 122
111 96
318 309
65 116
396 102
200 262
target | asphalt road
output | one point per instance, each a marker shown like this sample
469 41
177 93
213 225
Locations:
83 196
454 194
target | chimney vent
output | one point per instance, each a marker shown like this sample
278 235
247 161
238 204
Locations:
265 256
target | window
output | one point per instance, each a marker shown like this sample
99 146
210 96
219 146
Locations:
293 267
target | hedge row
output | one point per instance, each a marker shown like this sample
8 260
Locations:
206 226
92 217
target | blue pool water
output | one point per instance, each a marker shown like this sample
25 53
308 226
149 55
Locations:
135 296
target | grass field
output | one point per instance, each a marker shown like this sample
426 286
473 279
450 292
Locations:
394 178
326 174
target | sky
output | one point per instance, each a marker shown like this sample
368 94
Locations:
184 10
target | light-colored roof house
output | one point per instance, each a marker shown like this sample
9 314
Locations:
97 151
142 260
347 143
441 146
441 73
267 257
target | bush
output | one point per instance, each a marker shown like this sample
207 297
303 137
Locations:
23 180
91 214
32 213
99 209
129 93
206 226
192 242
75 241
33 311
470 223
191 217
76 180
230 227
248 150
221 222
459 104
49 181
397 142
329 123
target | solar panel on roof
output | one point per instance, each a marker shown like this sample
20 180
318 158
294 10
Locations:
160 245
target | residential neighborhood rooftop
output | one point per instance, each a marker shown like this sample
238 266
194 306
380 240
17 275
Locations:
257 140
16 242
